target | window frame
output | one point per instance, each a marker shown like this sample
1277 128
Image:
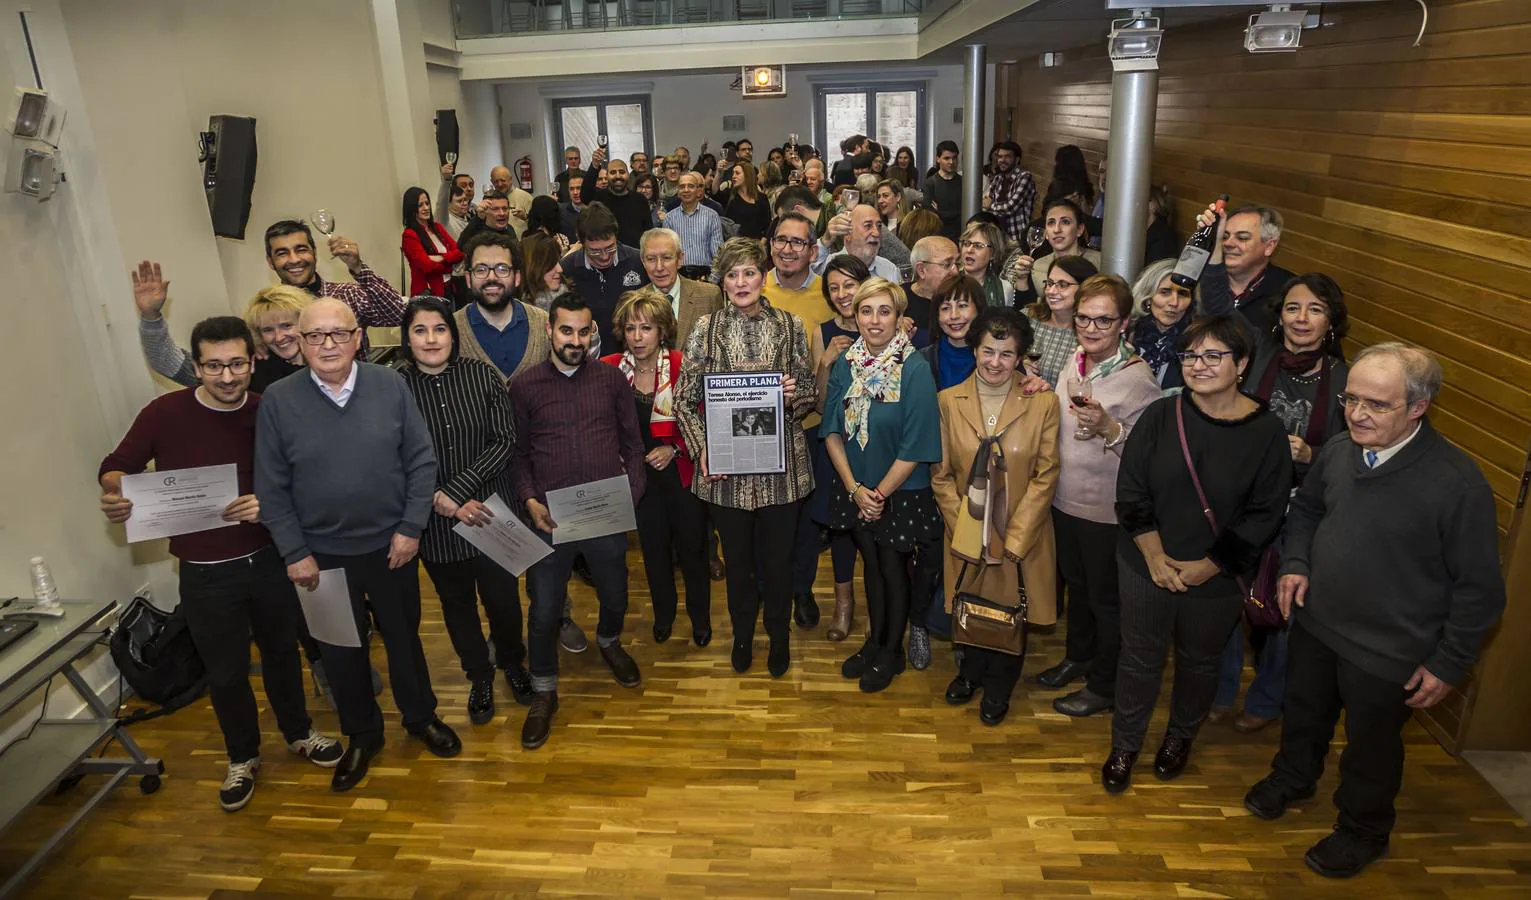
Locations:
555 116
870 89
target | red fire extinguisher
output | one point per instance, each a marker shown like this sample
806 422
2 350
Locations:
524 173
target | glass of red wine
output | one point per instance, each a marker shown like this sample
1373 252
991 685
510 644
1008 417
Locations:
1079 394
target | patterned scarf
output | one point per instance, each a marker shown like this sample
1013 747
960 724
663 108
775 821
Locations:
873 378
662 423
982 521
1158 347
1124 355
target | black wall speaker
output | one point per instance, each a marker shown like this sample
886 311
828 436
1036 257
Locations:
228 172
446 134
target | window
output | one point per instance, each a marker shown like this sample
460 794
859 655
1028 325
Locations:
890 114
626 122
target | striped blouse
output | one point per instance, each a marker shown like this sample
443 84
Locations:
467 410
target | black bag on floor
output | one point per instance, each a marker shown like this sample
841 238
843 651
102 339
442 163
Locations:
154 652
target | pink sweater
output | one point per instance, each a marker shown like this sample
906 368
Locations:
1087 480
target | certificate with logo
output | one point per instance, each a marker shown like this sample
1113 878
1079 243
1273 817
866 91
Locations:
179 501
513 547
592 510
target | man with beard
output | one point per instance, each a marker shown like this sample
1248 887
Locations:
494 216
634 215
863 238
495 326
1012 192
575 423
290 254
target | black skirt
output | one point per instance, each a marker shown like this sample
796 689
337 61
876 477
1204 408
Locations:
909 519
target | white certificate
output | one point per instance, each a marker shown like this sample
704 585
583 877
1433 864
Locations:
327 608
592 510
179 501
504 539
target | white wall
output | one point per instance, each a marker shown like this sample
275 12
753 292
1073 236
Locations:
688 109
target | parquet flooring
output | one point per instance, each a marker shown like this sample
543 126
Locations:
704 783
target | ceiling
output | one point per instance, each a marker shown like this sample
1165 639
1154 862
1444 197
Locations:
1068 24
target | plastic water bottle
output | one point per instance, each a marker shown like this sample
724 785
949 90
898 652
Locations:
44 591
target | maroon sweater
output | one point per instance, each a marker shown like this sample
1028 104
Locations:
177 432
572 429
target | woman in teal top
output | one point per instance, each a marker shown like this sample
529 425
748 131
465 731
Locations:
882 431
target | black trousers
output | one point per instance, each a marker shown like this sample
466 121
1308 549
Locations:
1087 562
392 596
1319 683
462 586
547 587
757 551
895 582
997 673
225 604
1154 620
672 525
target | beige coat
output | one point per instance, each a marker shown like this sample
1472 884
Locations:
538 347
1031 459
697 299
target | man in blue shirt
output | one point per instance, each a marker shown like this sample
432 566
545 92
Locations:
700 229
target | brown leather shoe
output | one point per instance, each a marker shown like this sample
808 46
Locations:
845 607
1248 724
1219 715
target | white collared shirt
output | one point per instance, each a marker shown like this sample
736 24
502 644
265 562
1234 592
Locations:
343 396
1385 455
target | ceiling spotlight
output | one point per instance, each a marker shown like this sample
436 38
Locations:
1134 43
1277 31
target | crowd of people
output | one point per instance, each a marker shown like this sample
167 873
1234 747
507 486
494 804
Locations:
972 409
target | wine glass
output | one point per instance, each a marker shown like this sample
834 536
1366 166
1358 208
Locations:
1036 237
1079 394
324 221
452 158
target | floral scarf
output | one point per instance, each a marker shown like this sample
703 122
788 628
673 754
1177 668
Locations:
662 423
873 378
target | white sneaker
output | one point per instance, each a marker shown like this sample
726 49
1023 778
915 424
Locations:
324 752
238 785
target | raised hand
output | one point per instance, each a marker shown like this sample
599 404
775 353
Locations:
150 289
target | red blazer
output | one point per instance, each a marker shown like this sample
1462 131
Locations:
426 276
684 464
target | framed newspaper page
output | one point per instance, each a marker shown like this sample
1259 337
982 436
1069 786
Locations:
746 423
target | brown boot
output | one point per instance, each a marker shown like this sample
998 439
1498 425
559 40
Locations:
845 608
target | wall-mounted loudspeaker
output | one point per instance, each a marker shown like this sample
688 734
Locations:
228 172
446 134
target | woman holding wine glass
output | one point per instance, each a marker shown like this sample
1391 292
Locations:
1052 317
1164 310
429 250
982 246
1063 232
1105 388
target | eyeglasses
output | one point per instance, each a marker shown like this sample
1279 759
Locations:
976 245
1100 322
1375 407
1049 284
601 251
782 243
501 269
316 338
666 258
1211 358
214 367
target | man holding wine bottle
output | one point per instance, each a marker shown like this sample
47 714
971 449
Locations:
1239 276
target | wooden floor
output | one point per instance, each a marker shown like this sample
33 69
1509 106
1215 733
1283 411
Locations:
703 783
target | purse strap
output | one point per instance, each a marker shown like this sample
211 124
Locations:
1201 494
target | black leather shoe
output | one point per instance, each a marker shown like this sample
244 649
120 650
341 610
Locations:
1081 703
481 701
622 666
702 636
743 655
1343 854
1170 761
1116 774
662 633
960 691
880 671
520 684
805 610
1268 799
439 738
779 659
353 765
539 720
856 664
992 714
1063 674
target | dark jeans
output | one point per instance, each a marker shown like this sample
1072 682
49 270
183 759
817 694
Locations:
1153 620
1087 562
462 586
547 584
1268 690
1319 683
898 589
757 550
670 517
225 604
392 596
